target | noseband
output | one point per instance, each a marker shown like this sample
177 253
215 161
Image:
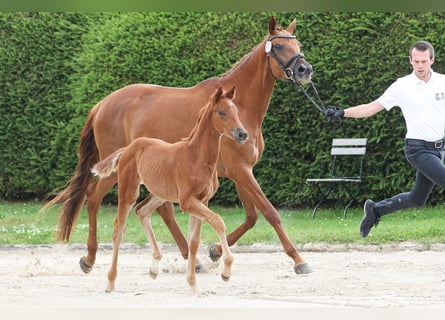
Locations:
286 67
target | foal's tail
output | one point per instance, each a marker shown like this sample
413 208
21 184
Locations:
107 166
74 194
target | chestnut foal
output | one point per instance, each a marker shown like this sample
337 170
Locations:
183 172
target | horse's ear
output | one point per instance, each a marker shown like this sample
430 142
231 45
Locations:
272 24
292 26
217 95
231 93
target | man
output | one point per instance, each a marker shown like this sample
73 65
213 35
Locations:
421 98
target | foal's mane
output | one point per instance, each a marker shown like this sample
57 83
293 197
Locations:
206 110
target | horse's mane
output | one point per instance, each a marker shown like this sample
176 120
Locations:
240 61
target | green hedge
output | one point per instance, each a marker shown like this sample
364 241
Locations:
56 66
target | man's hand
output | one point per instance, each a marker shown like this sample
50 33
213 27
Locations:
334 116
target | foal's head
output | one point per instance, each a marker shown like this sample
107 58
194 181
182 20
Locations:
225 117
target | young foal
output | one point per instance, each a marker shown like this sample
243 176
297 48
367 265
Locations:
183 172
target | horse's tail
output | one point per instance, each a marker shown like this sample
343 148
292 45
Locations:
74 194
107 166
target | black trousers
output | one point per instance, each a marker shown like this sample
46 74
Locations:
427 158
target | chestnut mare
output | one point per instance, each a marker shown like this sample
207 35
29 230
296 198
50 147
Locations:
182 172
168 113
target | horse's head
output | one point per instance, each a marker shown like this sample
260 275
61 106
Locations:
225 115
288 62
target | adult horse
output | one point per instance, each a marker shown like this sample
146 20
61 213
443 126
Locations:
168 113
164 168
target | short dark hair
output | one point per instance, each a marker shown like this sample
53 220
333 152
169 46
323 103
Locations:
422 46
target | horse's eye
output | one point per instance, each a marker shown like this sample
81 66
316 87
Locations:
277 46
221 113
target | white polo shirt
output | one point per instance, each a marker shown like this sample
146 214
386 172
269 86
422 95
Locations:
422 105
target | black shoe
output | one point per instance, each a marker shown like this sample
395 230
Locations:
370 219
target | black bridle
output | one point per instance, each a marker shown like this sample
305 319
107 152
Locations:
289 71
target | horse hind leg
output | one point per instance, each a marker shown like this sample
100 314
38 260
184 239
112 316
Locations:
144 210
128 192
118 233
193 245
95 196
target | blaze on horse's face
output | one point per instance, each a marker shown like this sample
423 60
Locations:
284 49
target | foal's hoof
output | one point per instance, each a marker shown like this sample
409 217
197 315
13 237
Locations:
153 275
302 268
86 268
225 278
199 268
214 254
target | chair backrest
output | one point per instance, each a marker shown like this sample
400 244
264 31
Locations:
349 146
355 147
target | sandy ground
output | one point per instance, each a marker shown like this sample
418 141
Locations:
403 276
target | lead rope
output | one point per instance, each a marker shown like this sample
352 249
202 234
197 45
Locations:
320 106
336 122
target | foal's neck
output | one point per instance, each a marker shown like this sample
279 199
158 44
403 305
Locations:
204 141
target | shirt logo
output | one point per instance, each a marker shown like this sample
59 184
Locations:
440 96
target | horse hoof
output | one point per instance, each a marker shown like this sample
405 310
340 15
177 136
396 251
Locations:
86 268
153 275
199 268
302 268
225 278
214 254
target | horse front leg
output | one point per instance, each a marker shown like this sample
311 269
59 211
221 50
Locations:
248 186
167 213
95 195
203 212
215 251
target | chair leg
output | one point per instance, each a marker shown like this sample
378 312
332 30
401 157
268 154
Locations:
324 196
315 208
347 207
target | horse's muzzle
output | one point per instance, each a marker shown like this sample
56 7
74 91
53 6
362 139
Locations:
302 72
239 135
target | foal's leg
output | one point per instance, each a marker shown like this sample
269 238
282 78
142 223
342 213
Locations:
193 245
144 211
127 195
95 195
200 210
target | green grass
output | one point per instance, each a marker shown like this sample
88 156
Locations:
22 223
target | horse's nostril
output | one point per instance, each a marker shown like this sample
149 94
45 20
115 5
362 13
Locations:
304 69
242 136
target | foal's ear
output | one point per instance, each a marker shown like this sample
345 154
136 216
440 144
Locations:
272 24
292 26
231 93
217 95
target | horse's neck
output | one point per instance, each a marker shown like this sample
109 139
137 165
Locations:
204 141
254 84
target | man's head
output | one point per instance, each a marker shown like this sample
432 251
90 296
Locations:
421 57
